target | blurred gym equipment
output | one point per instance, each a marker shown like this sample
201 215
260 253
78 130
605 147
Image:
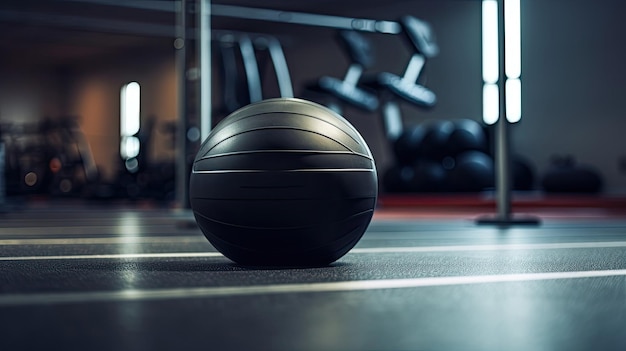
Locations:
142 178
242 57
232 86
565 175
51 157
347 89
279 63
421 36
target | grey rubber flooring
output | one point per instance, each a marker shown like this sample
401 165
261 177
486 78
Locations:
98 278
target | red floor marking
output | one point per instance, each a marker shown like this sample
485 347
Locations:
472 206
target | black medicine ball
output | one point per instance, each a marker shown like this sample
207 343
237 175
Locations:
283 182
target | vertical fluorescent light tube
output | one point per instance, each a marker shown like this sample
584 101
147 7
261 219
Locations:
513 100
513 54
491 103
130 109
512 33
490 61
490 41
129 119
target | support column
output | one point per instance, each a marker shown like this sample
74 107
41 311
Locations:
188 135
204 63
503 184
3 203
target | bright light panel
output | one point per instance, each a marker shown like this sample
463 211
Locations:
513 100
490 41
129 114
513 58
129 147
491 105
129 119
513 66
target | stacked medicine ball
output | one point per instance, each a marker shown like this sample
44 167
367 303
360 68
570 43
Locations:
441 156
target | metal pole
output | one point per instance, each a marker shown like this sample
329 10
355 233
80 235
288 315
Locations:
2 186
204 63
503 173
180 43
503 176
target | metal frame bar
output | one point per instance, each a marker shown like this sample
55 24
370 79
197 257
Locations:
251 68
338 22
182 51
91 24
302 18
280 67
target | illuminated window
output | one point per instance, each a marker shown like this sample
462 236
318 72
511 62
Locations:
129 120
512 36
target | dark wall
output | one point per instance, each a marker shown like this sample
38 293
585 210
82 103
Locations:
573 76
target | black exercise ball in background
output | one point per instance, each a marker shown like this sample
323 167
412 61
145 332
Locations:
473 171
424 176
434 144
467 135
523 173
396 179
565 175
283 182
408 146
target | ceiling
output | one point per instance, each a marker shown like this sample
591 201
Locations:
66 31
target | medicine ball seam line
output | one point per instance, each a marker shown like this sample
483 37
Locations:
338 116
314 152
286 228
282 127
284 170
272 187
342 120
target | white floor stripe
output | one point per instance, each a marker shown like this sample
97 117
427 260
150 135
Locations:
81 231
115 256
356 285
109 240
413 249
494 247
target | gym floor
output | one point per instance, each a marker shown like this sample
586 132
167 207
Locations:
89 277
